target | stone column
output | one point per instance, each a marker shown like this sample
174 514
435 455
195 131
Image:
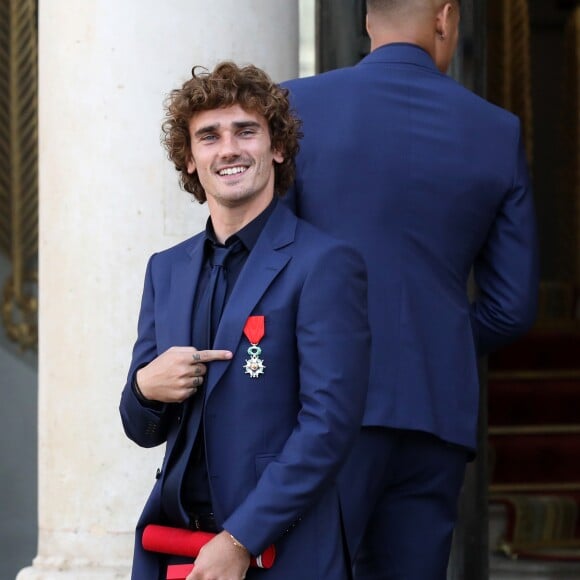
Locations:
108 198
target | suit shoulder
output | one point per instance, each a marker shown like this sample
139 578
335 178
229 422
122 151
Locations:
183 246
177 251
308 85
485 110
321 244
308 233
322 77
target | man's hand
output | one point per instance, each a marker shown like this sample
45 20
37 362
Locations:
176 374
221 559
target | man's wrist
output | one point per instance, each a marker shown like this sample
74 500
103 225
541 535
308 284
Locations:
237 543
149 403
139 392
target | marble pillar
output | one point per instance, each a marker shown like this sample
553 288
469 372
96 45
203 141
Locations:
108 198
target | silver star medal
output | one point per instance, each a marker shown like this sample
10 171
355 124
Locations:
254 365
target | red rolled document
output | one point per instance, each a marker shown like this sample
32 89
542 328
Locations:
180 542
178 571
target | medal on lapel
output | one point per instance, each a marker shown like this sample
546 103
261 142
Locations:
254 330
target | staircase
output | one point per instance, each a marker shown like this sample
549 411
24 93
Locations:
534 454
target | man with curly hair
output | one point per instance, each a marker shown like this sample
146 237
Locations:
253 369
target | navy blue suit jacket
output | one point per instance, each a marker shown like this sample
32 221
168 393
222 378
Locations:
274 444
426 180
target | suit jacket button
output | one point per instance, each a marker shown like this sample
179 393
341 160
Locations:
178 419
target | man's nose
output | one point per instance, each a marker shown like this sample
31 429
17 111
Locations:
230 146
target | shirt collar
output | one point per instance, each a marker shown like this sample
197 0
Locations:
248 235
400 52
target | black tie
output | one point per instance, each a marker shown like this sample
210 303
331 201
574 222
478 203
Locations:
191 465
212 302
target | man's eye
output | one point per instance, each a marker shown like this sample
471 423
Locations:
208 138
247 132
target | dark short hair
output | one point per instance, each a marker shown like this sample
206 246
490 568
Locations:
225 86
379 5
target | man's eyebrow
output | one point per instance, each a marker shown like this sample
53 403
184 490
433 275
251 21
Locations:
236 124
245 124
207 129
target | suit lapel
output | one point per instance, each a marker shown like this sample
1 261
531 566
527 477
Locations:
184 277
264 263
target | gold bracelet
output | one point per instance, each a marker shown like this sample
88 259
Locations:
237 544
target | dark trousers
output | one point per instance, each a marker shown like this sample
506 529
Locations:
400 491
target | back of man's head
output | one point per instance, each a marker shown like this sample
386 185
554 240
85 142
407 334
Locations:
430 24
401 6
387 5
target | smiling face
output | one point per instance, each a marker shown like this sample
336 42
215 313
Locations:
232 153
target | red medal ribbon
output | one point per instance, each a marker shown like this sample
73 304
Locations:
255 329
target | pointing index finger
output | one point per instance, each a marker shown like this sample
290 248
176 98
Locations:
211 355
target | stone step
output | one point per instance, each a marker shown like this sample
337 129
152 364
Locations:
534 398
535 458
540 349
509 564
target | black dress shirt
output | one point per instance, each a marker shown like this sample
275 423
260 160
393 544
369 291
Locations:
195 491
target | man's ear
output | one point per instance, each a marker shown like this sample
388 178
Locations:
190 165
278 156
443 20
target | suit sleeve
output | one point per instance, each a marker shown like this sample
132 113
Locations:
143 424
333 341
507 270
